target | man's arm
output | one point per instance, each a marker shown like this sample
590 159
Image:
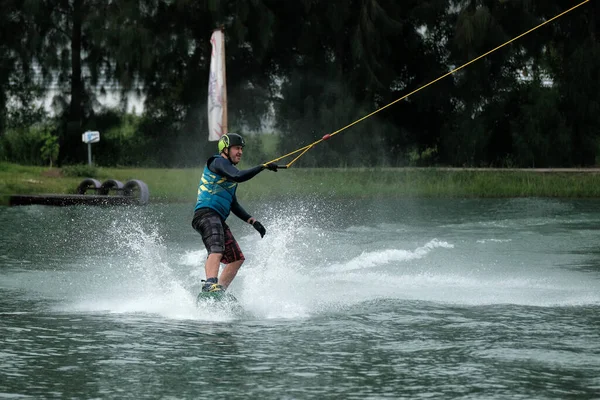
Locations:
238 211
225 168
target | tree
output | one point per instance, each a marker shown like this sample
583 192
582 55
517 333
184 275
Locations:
50 148
573 59
372 52
322 65
70 54
17 37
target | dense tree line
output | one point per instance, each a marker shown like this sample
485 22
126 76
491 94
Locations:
318 65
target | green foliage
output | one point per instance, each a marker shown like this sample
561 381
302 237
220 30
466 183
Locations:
25 110
180 185
423 158
121 143
540 142
321 65
49 150
24 146
260 148
80 170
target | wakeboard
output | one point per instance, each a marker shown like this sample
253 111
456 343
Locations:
219 296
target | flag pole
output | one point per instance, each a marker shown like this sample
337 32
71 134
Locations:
224 64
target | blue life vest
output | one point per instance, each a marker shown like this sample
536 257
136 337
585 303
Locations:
215 191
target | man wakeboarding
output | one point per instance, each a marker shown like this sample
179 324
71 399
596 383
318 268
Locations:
216 199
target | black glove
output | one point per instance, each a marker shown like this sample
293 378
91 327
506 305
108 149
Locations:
271 166
261 229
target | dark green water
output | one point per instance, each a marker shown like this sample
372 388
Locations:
357 299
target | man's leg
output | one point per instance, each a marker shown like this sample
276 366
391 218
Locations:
213 262
212 265
229 272
210 226
232 257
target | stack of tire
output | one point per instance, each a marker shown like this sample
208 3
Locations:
112 187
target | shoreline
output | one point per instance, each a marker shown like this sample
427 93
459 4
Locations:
180 185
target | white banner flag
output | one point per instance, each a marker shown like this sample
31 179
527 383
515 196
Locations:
217 88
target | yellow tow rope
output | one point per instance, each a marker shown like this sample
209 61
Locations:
304 149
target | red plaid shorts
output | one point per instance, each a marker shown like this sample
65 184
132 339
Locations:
216 235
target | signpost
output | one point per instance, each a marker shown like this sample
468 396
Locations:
90 137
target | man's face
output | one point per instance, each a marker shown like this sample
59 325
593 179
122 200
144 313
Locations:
235 154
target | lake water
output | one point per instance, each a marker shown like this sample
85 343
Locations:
361 299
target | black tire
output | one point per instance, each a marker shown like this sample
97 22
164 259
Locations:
88 184
137 188
111 185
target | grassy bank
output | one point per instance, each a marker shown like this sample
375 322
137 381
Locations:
179 185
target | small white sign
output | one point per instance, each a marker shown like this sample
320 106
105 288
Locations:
91 137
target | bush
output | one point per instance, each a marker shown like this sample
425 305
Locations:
50 148
24 145
80 170
424 158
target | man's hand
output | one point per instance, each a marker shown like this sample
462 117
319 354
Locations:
261 229
271 166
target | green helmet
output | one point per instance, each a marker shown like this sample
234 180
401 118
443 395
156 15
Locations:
231 139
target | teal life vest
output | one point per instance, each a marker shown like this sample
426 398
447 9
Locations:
215 191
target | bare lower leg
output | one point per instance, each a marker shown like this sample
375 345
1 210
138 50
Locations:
230 272
212 265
